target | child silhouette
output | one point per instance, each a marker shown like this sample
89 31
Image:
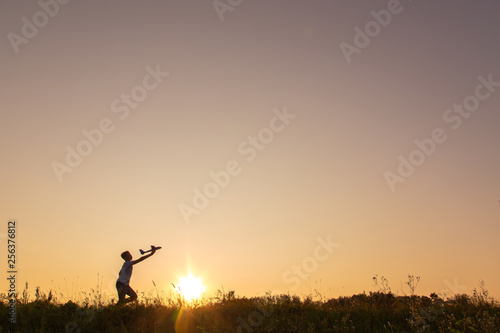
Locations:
123 282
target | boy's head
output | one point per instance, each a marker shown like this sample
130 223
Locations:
126 256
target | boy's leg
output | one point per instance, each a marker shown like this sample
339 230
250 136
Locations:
120 287
131 293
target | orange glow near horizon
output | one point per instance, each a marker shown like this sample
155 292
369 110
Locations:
190 287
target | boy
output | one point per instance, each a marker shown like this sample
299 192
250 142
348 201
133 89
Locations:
122 284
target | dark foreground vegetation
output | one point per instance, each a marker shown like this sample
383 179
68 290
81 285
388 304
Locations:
380 311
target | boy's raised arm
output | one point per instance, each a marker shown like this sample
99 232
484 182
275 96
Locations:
153 250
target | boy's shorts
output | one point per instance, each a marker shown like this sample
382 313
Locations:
124 289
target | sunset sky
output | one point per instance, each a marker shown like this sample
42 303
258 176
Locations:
284 146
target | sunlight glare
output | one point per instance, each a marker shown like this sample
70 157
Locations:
190 287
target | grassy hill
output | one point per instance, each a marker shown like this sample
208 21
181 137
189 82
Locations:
226 312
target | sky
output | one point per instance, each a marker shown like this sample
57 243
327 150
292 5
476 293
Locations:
286 146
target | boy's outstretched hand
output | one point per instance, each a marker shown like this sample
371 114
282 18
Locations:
153 250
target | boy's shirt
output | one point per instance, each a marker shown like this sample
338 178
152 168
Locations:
126 272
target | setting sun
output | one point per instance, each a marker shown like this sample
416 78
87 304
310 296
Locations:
190 287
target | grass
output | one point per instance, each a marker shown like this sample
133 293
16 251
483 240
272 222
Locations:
157 311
